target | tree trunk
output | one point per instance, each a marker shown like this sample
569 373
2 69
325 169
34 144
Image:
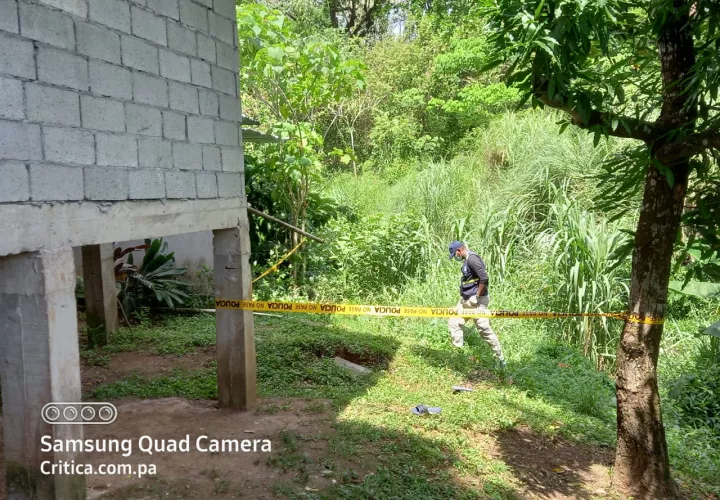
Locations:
642 468
334 13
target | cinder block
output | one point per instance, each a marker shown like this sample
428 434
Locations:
51 105
206 185
201 130
194 15
11 98
110 80
56 183
205 3
150 90
226 133
17 57
20 141
61 68
15 185
173 126
148 26
147 184
139 55
99 42
211 158
181 39
230 185
106 183
221 27
206 48
9 16
167 8
227 57
225 8
187 156
230 108
232 159
112 13
141 3
183 97
155 153
69 145
223 80
235 35
201 73
180 184
100 113
208 102
143 120
174 66
76 7
116 150
47 26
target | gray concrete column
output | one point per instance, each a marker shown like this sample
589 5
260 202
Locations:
236 369
39 363
100 292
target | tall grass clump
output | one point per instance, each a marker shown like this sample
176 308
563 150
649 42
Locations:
591 275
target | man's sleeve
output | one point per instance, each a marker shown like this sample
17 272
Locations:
478 268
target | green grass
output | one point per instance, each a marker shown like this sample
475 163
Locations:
174 335
412 456
555 391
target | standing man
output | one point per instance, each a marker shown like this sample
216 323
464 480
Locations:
473 296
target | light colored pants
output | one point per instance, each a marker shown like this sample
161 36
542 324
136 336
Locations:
483 325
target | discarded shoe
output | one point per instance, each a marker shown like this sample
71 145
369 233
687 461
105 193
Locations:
420 409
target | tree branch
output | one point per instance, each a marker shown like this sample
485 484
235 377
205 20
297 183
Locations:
366 20
692 145
627 128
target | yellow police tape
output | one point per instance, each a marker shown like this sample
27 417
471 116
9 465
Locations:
274 267
416 312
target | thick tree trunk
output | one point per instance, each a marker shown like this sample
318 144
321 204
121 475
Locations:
642 466
334 13
641 462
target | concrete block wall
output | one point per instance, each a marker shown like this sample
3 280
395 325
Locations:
110 100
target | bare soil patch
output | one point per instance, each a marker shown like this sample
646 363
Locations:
123 364
553 468
195 474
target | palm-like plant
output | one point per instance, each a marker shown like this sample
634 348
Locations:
155 280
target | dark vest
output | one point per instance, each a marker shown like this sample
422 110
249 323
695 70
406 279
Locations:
468 281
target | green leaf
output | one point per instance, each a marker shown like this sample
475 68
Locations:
697 289
276 53
713 330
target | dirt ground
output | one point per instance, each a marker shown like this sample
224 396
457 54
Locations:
548 469
555 468
124 364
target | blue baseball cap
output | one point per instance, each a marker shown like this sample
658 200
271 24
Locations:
454 247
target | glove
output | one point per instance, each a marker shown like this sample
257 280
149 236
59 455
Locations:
473 301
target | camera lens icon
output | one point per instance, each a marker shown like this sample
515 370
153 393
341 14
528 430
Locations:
79 413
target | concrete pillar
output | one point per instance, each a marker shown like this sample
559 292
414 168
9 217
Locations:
39 363
236 371
100 292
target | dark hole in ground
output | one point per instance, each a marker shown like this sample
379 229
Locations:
367 359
